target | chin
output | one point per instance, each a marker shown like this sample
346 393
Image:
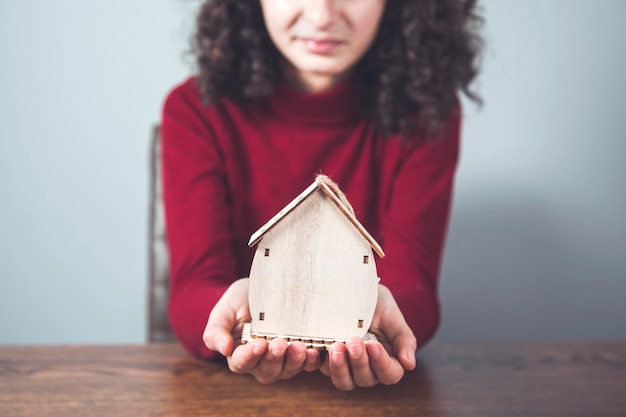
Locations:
319 63
327 70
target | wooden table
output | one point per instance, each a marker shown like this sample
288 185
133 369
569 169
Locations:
457 380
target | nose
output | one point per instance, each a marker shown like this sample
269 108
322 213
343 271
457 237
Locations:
321 13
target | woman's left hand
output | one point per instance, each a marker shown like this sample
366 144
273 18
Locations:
359 364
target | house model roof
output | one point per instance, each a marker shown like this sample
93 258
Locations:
330 189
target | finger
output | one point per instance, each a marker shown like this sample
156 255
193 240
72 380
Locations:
362 373
387 368
217 334
271 365
294 360
402 344
338 367
394 328
246 357
224 317
325 365
404 347
313 360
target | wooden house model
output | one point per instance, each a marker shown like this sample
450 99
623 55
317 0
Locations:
313 277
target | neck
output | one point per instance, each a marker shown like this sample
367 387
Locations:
334 106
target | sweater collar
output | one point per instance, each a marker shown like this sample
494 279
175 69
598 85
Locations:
337 105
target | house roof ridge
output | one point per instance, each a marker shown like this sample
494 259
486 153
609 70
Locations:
338 194
334 193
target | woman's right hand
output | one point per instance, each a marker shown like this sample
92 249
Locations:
266 361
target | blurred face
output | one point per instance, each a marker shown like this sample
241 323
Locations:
321 40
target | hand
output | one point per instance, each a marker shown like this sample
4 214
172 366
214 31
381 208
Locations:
267 362
356 363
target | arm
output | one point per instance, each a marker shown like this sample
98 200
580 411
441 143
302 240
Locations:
198 218
202 263
414 226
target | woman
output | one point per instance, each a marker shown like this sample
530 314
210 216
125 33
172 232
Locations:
364 91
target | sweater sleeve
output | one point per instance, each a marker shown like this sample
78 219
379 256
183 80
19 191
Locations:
198 217
414 226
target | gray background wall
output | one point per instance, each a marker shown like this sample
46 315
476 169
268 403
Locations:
537 244
537 241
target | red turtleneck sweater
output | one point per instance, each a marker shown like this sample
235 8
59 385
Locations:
228 168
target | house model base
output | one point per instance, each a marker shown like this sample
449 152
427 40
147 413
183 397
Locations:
249 334
313 277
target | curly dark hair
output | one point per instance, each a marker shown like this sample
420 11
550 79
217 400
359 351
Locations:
425 53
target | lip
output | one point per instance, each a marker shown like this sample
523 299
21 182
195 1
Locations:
320 46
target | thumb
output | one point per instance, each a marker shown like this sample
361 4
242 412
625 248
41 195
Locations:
229 312
397 331
218 331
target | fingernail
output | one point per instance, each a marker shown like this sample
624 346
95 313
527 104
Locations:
276 353
411 356
375 352
220 344
257 350
338 358
355 349
300 356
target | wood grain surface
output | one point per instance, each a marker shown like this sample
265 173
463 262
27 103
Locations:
483 379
